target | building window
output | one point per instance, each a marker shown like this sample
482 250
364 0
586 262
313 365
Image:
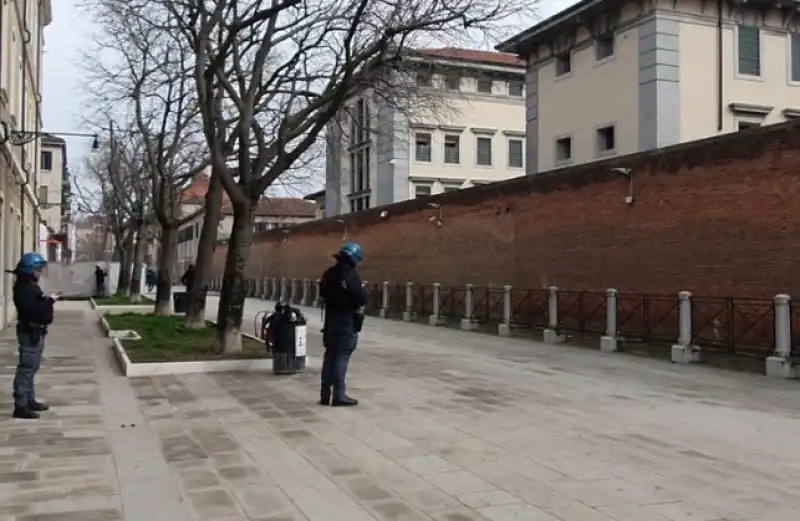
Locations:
360 123
358 204
604 47
485 85
43 195
424 79
516 88
749 50
484 151
360 169
452 152
451 188
563 149
795 56
422 191
605 139
746 125
515 153
452 82
47 160
563 64
422 147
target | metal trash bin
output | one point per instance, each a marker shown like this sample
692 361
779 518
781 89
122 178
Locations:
290 337
180 302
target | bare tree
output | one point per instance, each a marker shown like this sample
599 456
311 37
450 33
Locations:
147 73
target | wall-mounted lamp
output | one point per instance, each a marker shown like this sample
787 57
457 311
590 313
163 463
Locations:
343 223
627 172
436 219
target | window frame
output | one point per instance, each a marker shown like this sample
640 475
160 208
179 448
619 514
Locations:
521 84
558 141
417 135
478 140
599 137
611 39
458 149
738 53
563 58
483 80
521 142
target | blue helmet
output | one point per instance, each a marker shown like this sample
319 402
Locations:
31 262
352 251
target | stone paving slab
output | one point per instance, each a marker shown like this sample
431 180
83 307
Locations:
452 427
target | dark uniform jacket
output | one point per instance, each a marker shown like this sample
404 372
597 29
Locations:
344 297
34 309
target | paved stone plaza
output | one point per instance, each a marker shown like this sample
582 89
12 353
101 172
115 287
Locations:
452 426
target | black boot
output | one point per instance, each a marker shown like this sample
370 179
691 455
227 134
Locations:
345 402
25 414
38 406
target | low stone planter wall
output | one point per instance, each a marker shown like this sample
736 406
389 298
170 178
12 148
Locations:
145 307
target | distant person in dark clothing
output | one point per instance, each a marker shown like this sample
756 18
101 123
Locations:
344 299
100 281
150 277
34 314
188 278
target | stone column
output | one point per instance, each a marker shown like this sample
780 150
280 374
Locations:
435 319
610 343
469 309
504 329
685 352
384 299
409 302
304 299
318 293
283 293
780 363
293 292
551 335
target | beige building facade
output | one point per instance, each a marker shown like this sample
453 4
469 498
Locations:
22 26
613 77
469 130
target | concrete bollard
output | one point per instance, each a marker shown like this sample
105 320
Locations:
306 288
409 302
551 335
504 329
283 293
436 319
264 288
609 343
779 365
318 293
685 352
467 323
384 312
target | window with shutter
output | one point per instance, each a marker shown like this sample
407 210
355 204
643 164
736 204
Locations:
451 150
795 56
749 50
484 149
515 157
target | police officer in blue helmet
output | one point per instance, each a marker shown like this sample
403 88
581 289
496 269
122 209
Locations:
34 314
344 298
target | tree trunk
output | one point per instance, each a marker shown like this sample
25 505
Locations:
196 317
166 261
138 262
125 261
234 290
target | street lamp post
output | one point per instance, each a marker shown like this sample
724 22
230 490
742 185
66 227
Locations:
21 138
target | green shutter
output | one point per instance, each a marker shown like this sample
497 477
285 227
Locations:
749 50
795 56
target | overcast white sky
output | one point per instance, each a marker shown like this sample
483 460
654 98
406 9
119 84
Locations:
65 39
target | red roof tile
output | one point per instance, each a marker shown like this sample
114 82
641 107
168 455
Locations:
492 57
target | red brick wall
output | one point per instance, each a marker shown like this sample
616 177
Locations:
717 217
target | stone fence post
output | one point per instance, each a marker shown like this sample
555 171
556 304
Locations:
685 352
436 319
384 312
551 334
306 289
610 343
407 314
780 363
318 293
469 308
504 329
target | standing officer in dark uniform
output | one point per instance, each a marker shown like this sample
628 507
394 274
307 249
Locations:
344 299
34 314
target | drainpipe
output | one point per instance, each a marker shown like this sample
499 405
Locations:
720 80
26 38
